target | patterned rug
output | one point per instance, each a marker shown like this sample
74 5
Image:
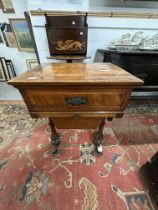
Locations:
76 179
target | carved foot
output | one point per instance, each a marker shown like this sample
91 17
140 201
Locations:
55 138
98 138
98 143
55 141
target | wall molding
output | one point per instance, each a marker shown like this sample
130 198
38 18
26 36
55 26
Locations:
54 13
108 27
148 15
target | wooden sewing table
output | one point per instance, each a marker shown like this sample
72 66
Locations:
76 95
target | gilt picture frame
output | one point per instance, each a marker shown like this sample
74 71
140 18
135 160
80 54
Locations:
8 35
2 75
1 39
31 63
22 34
7 6
11 39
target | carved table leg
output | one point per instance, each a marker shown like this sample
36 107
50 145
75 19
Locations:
55 138
98 138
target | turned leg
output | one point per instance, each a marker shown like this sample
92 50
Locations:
98 138
55 138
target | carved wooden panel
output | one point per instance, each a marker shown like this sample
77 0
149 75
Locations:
67 41
67 35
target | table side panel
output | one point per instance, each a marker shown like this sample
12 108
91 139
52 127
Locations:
96 100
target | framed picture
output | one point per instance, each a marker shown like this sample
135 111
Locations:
11 69
31 63
7 6
5 68
22 35
1 40
8 34
2 76
11 39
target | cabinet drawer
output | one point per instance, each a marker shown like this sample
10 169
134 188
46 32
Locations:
75 100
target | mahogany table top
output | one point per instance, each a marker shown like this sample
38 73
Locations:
76 73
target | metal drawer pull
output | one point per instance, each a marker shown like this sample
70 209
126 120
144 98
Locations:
77 101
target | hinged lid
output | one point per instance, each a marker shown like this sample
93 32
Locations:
76 74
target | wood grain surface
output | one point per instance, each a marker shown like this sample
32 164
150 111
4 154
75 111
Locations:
76 73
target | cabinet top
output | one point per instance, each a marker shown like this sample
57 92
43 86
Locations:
130 52
76 74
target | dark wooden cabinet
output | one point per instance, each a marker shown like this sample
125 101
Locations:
143 64
67 35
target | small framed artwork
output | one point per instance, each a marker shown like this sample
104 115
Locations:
31 63
5 68
11 39
8 35
2 76
1 40
22 34
7 6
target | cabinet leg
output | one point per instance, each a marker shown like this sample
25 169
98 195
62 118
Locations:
98 138
55 138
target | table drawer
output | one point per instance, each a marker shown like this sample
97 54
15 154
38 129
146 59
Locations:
75 100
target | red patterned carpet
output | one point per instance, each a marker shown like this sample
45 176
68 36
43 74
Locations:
76 179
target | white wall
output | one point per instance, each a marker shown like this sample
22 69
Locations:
66 5
101 30
84 5
123 3
18 58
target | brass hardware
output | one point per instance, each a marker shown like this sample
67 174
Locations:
76 101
